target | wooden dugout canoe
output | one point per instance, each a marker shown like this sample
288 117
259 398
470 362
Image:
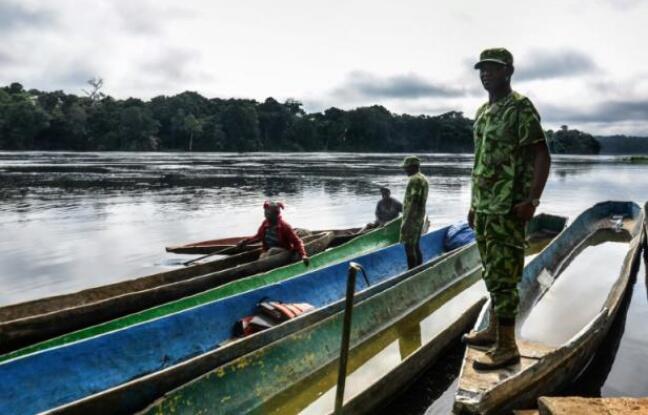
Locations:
58 375
545 226
211 246
248 383
96 305
544 368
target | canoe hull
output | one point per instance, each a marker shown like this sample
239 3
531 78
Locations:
544 369
371 241
25 331
245 384
135 395
211 246
412 367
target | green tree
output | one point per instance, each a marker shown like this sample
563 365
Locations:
241 125
274 120
193 127
22 119
212 136
138 129
566 141
188 121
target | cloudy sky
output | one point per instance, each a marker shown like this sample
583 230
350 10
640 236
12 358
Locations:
584 63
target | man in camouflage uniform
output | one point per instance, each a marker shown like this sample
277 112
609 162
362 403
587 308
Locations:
413 211
511 168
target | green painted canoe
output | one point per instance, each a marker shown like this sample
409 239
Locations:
249 383
373 240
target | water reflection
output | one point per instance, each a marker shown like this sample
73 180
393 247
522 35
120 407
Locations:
591 381
591 274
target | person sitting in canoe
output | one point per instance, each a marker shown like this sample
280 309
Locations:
387 209
276 235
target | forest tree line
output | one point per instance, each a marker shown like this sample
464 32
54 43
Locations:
39 120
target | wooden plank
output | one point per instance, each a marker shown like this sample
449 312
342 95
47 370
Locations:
592 406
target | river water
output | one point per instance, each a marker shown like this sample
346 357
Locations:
74 220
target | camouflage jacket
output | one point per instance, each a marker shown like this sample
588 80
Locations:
414 207
503 169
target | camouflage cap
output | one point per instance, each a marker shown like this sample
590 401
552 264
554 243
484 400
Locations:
496 55
411 161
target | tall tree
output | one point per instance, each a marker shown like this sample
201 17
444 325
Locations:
138 129
241 124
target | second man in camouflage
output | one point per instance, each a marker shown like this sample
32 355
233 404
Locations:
414 212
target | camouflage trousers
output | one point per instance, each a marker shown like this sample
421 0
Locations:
411 235
500 239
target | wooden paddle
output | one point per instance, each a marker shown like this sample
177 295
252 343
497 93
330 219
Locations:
225 251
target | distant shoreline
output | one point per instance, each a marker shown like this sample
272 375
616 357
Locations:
34 120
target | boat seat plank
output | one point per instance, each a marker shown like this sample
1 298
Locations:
478 381
592 406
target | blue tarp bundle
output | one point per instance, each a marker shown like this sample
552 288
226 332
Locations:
458 235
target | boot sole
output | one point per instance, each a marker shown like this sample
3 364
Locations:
477 344
481 347
477 365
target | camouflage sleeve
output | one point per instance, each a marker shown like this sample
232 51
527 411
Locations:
529 128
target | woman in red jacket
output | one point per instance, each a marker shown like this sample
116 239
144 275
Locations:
276 235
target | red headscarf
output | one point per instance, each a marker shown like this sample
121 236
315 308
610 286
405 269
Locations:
270 205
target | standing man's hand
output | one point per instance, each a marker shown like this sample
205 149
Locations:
471 218
306 260
524 210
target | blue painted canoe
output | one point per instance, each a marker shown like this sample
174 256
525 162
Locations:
53 377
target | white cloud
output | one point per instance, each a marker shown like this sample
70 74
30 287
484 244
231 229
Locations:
411 56
549 64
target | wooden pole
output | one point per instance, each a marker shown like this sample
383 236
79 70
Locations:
225 251
346 336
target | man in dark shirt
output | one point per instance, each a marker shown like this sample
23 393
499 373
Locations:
387 208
